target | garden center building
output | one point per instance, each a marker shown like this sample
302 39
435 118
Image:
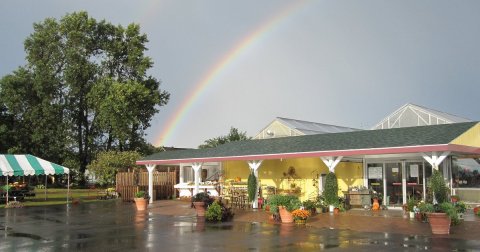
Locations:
395 158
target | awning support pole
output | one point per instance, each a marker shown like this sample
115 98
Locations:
150 168
68 187
6 187
45 187
196 168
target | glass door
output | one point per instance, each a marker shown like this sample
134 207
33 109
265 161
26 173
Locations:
414 178
393 184
375 177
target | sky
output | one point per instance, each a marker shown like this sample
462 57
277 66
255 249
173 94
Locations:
242 63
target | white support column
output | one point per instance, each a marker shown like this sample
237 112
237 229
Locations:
254 165
331 162
181 175
196 168
150 168
435 160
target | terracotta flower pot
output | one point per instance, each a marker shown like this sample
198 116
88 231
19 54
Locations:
141 203
200 208
336 210
375 205
439 223
285 215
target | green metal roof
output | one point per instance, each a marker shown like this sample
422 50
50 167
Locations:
367 139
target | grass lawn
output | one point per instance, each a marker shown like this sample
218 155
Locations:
57 196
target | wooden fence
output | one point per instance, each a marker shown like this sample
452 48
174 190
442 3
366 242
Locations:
129 183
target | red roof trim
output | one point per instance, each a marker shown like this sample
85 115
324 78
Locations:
375 151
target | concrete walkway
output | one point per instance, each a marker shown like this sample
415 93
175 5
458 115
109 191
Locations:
386 221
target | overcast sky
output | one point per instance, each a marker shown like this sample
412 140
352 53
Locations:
349 63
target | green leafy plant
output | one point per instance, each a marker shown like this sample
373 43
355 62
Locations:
142 194
202 197
252 186
290 202
309 205
214 212
330 193
411 203
217 211
461 207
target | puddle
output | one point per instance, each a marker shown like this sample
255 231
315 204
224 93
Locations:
25 235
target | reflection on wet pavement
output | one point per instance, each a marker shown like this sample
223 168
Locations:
116 226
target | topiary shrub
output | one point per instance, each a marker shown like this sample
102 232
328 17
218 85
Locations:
330 194
252 186
438 187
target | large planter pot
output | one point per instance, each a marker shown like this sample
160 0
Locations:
439 223
412 215
336 210
200 208
285 215
141 203
330 208
300 222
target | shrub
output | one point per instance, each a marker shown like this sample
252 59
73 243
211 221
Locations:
438 187
290 202
217 211
214 212
411 204
330 193
14 204
309 205
252 186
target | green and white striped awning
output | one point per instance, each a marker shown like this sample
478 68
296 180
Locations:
25 165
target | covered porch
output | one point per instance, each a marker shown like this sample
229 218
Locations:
395 162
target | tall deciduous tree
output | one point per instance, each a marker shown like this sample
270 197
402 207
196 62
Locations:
233 135
84 89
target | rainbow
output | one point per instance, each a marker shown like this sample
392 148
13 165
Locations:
220 66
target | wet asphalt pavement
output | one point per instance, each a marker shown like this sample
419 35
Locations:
117 226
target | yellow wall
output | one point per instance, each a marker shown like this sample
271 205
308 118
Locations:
307 169
470 138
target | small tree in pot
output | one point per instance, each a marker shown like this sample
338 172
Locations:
141 200
443 213
330 194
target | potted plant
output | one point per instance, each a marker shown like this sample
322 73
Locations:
461 208
454 198
141 200
310 206
283 205
411 203
200 202
443 213
300 216
217 211
330 194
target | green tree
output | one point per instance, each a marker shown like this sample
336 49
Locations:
84 89
108 163
233 135
330 193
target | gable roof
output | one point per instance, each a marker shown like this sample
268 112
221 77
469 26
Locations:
414 115
307 128
398 140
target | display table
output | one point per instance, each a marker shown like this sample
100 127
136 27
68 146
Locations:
186 189
359 198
